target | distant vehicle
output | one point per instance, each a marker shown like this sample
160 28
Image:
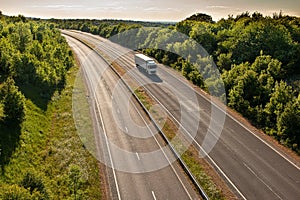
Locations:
148 64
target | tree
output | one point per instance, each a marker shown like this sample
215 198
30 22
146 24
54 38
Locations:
76 182
34 183
201 17
282 94
289 124
14 101
201 32
224 61
14 192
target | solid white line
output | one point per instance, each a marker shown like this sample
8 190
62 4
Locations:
262 181
109 153
197 144
106 139
233 118
154 197
177 174
137 155
170 164
221 171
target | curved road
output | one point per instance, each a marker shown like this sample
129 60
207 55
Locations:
254 168
130 175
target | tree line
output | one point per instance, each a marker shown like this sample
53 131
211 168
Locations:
32 54
257 56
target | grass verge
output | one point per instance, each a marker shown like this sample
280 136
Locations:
49 161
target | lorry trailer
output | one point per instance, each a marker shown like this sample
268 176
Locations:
148 64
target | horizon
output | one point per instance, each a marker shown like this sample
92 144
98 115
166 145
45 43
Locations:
141 20
151 11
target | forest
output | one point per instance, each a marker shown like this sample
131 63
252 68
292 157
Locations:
257 56
40 158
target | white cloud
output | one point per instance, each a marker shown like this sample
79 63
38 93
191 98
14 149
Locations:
58 7
155 9
217 7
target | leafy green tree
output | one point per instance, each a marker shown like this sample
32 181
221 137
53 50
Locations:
35 184
14 192
6 61
14 101
288 124
224 61
281 95
200 17
76 182
202 33
21 36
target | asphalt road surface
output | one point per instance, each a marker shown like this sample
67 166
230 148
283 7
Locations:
254 168
126 147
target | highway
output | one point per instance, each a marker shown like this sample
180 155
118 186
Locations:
252 167
133 174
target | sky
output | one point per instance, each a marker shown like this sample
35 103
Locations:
146 10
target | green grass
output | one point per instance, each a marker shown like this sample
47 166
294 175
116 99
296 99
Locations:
203 179
47 146
143 98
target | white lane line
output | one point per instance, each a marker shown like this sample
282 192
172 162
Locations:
170 164
234 119
106 139
165 155
221 171
109 151
137 155
197 144
126 129
154 197
261 180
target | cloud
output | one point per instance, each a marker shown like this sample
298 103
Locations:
217 7
58 6
155 9
107 8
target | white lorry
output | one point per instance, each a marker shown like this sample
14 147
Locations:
148 64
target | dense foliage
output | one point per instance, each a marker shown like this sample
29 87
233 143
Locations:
41 157
257 56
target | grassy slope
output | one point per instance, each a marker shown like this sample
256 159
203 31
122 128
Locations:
49 145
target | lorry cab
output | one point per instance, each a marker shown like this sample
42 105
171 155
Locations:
151 67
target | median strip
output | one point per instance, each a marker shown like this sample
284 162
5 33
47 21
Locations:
189 159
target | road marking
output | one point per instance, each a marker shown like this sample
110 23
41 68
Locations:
170 164
137 155
126 129
109 153
234 119
261 180
106 139
197 144
154 197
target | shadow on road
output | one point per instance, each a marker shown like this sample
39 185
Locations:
152 77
